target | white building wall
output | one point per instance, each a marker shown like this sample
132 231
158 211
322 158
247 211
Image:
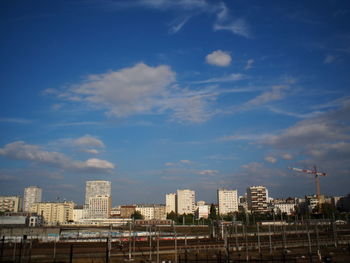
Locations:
32 195
170 203
100 206
95 188
186 201
227 201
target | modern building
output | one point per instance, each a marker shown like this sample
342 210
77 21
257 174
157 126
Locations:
170 203
100 206
227 201
54 213
10 204
186 201
32 195
257 199
95 188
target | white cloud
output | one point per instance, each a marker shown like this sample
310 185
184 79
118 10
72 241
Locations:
287 156
92 151
249 64
21 151
208 172
270 159
88 141
238 27
276 93
219 58
16 120
186 161
329 59
142 89
178 24
228 78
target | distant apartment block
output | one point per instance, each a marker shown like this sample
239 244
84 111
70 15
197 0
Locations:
170 203
186 201
10 203
32 195
152 211
127 210
257 197
54 213
100 206
227 201
202 210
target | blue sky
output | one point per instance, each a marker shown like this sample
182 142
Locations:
159 95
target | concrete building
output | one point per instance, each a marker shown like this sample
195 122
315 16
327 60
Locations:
186 201
170 203
202 211
10 204
95 188
78 215
152 211
32 195
227 201
100 206
127 210
257 199
54 213
92 190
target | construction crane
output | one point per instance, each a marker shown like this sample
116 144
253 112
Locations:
314 172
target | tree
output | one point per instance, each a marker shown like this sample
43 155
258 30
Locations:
173 216
136 215
212 213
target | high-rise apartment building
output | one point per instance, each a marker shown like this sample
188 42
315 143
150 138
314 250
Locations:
95 188
227 201
54 213
257 197
170 203
186 201
32 195
98 201
100 206
10 203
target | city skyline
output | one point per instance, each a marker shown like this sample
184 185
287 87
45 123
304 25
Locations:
156 96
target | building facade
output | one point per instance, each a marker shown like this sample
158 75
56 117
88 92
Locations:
227 201
257 199
170 203
10 204
100 206
186 201
32 195
152 211
95 188
54 213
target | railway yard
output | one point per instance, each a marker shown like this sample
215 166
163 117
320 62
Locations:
230 243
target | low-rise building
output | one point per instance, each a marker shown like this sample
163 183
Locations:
54 213
152 211
127 210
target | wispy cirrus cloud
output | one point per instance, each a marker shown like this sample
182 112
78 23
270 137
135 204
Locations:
16 120
228 78
192 8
